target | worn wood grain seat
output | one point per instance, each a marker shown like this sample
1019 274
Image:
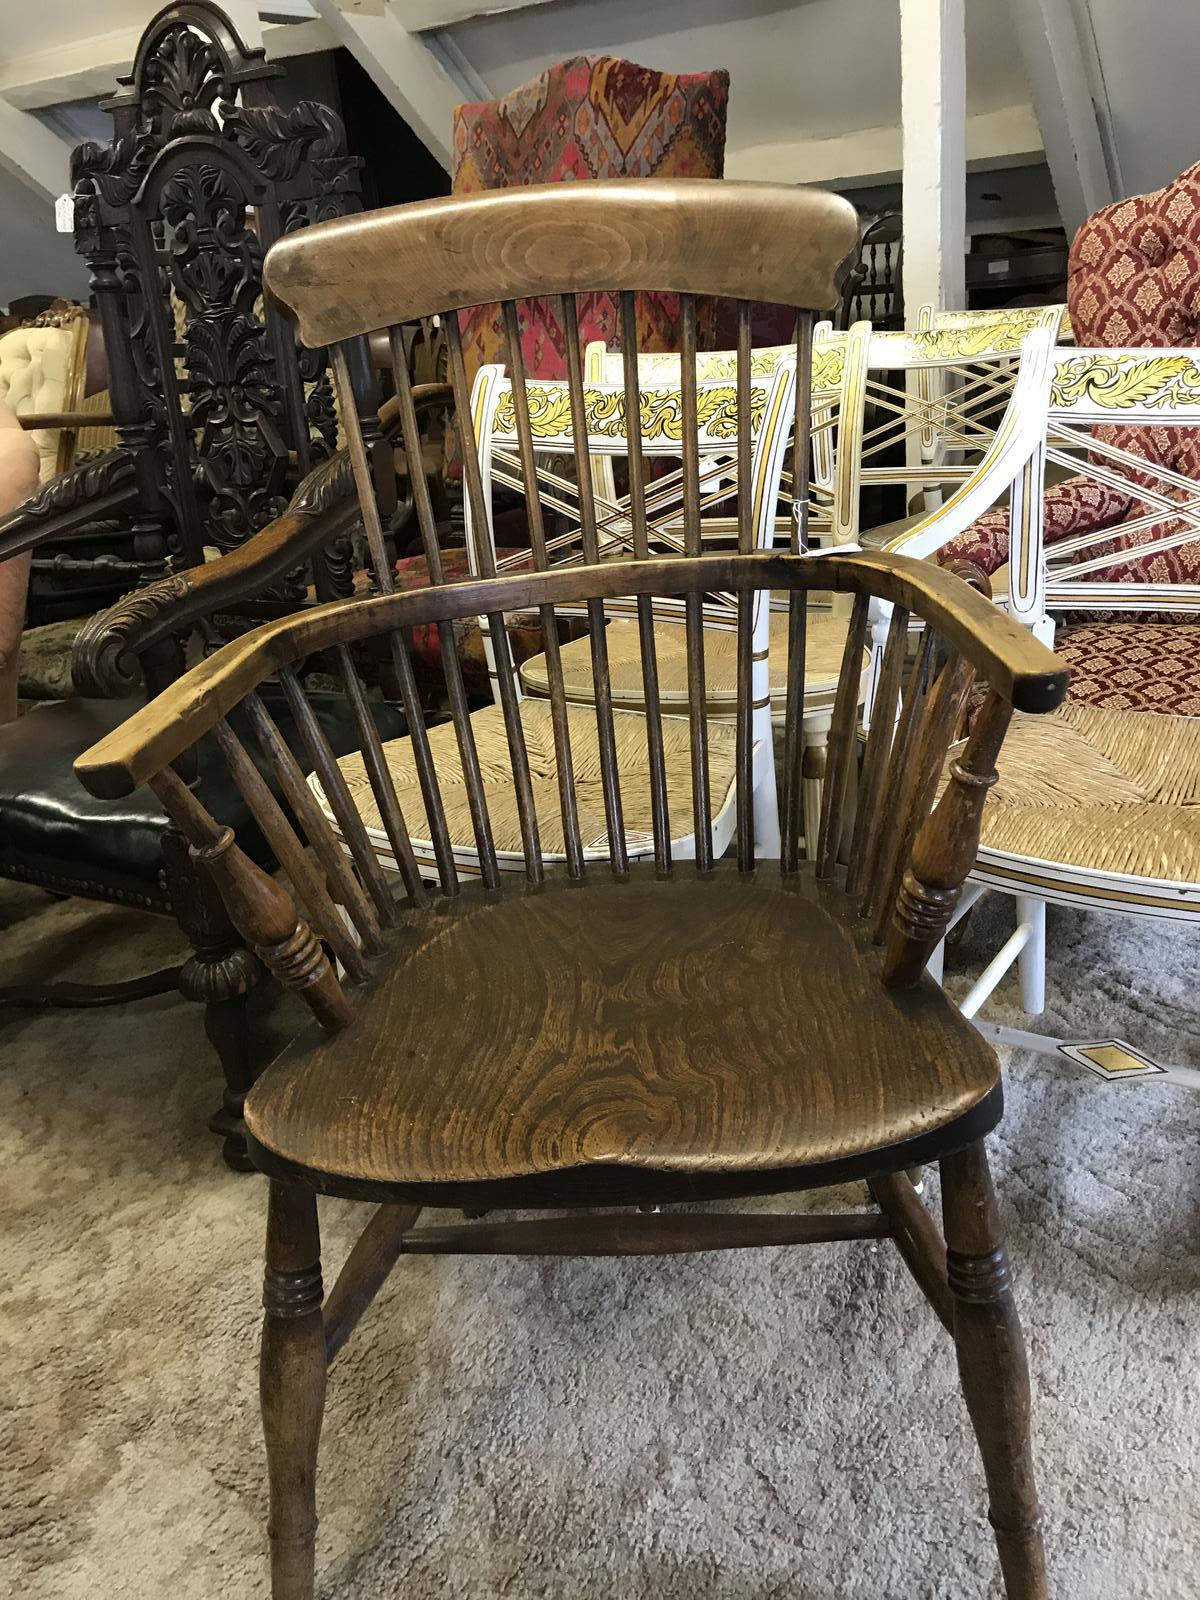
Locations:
826 642
693 1027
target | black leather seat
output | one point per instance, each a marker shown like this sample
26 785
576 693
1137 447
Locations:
53 833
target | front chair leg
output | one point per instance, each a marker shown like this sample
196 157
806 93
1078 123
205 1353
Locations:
292 1385
219 974
992 1367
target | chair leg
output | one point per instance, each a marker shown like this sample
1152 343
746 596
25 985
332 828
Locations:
292 1385
992 1367
219 975
1031 963
815 736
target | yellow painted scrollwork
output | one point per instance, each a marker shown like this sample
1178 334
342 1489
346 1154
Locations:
1115 383
604 409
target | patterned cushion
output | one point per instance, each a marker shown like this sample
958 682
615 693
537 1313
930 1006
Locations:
589 117
1074 506
1134 666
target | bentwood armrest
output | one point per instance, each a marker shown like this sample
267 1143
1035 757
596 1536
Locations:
1016 665
89 492
105 656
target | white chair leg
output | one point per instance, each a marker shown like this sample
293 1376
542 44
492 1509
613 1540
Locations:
815 739
1032 960
936 964
767 840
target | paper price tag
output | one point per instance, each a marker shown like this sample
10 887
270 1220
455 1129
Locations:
64 213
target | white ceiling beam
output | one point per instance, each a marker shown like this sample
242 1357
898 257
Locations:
402 67
33 153
1007 137
421 15
1056 66
933 118
87 68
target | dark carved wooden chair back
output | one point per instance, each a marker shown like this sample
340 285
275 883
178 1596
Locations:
601 1034
873 290
220 414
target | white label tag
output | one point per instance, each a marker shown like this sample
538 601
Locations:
64 213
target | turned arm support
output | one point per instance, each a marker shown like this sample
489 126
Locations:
945 850
260 909
105 658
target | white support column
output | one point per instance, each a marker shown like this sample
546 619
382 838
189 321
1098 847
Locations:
1056 65
401 65
34 154
933 107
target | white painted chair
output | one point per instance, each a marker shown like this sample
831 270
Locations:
1101 809
933 398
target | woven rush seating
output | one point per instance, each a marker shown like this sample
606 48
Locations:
494 760
1091 792
822 662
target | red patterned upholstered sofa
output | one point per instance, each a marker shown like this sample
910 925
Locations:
1134 279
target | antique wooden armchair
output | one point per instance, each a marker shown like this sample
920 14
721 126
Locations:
601 1034
1096 806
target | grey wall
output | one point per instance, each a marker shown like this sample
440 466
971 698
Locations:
34 259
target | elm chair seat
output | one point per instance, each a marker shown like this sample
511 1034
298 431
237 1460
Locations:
639 1035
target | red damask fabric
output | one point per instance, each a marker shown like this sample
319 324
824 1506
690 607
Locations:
589 117
1134 665
1133 279
1074 506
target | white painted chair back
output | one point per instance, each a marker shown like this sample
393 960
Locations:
838 375
772 405
1090 397
936 397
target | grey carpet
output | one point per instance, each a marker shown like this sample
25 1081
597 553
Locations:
745 1426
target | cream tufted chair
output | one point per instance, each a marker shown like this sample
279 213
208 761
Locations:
42 370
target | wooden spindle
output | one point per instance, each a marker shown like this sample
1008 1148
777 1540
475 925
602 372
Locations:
871 791
746 602
289 851
559 719
337 793
943 710
618 854
793 755
659 814
314 822
897 766
361 466
842 740
694 601
485 558
380 777
944 850
260 909
425 765
451 666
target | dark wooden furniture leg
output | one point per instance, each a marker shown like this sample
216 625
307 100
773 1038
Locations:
219 975
292 1384
991 1364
